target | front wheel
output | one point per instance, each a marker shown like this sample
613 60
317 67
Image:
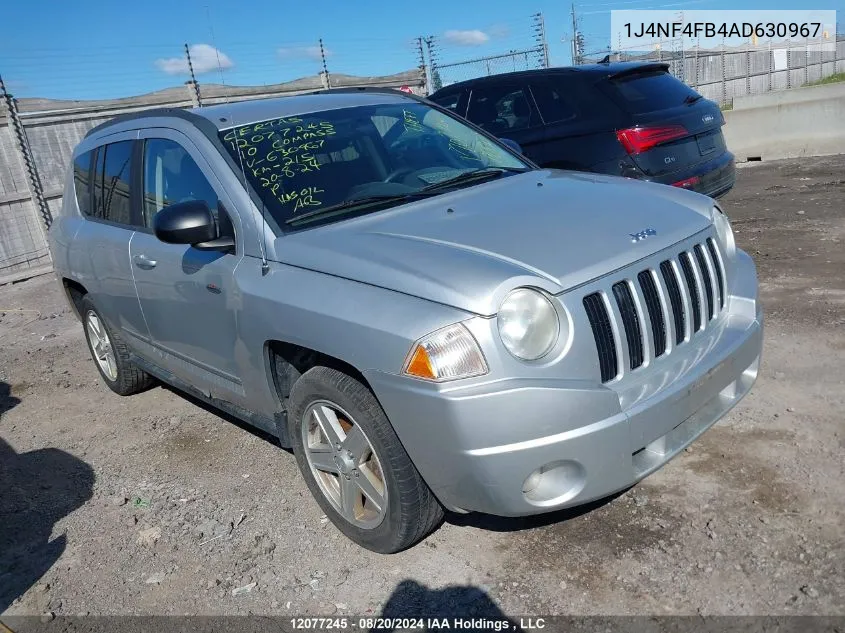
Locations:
111 355
354 464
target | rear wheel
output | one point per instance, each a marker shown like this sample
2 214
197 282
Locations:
354 464
110 354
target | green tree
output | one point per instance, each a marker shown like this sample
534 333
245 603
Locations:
436 82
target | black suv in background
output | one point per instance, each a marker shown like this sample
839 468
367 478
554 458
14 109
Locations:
626 118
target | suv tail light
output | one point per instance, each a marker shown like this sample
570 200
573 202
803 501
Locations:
637 140
687 183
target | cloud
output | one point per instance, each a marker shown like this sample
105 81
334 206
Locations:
466 38
499 31
203 59
302 52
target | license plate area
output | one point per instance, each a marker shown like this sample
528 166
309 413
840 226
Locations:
706 143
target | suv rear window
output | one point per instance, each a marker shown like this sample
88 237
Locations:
650 91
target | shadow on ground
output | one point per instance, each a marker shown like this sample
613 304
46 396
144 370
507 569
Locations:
516 524
472 605
37 489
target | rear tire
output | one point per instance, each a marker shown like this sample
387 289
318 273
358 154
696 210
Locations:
330 412
110 353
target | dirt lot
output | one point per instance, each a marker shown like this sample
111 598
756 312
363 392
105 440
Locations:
154 505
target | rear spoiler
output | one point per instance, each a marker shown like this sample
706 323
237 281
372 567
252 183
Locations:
636 70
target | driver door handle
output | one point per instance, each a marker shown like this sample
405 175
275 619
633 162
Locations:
142 261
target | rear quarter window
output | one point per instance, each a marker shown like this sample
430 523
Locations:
82 182
649 92
554 104
573 100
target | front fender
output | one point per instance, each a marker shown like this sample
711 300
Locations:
368 327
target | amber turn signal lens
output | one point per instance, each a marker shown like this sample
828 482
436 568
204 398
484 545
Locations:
447 354
420 364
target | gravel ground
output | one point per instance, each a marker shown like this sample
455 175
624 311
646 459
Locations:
153 504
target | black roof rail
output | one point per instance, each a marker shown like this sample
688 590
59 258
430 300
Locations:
180 113
356 89
375 89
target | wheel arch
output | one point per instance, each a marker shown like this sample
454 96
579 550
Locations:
74 291
285 362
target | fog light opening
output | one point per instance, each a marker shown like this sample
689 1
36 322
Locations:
533 481
554 483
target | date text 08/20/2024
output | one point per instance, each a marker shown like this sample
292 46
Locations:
415 624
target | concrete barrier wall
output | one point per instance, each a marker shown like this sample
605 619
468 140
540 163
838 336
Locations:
788 124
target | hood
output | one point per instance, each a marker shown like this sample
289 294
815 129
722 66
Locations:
549 229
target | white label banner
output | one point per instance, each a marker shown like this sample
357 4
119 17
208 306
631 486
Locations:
635 30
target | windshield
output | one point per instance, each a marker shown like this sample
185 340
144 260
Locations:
309 162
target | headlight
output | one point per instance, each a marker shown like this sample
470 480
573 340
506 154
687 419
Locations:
528 324
447 354
724 231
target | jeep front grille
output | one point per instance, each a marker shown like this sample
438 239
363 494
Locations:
684 295
603 333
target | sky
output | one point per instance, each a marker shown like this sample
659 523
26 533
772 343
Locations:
89 50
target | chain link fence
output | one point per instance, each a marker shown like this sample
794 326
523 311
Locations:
729 72
512 61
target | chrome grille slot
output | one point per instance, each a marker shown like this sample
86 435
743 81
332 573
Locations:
630 321
603 333
692 288
705 276
674 290
650 304
717 266
655 311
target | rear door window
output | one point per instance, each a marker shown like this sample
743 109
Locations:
502 109
117 168
650 91
111 198
97 184
448 101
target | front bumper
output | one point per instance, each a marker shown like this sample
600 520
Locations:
476 446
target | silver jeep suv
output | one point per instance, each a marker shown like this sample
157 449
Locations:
428 319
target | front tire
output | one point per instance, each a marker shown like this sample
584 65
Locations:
355 465
110 354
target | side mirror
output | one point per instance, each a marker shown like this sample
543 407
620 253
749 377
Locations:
512 144
191 223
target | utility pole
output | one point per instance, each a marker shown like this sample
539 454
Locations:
431 47
423 67
575 60
678 49
540 37
194 84
325 67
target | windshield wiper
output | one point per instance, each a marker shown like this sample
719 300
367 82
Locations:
482 173
690 99
356 203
